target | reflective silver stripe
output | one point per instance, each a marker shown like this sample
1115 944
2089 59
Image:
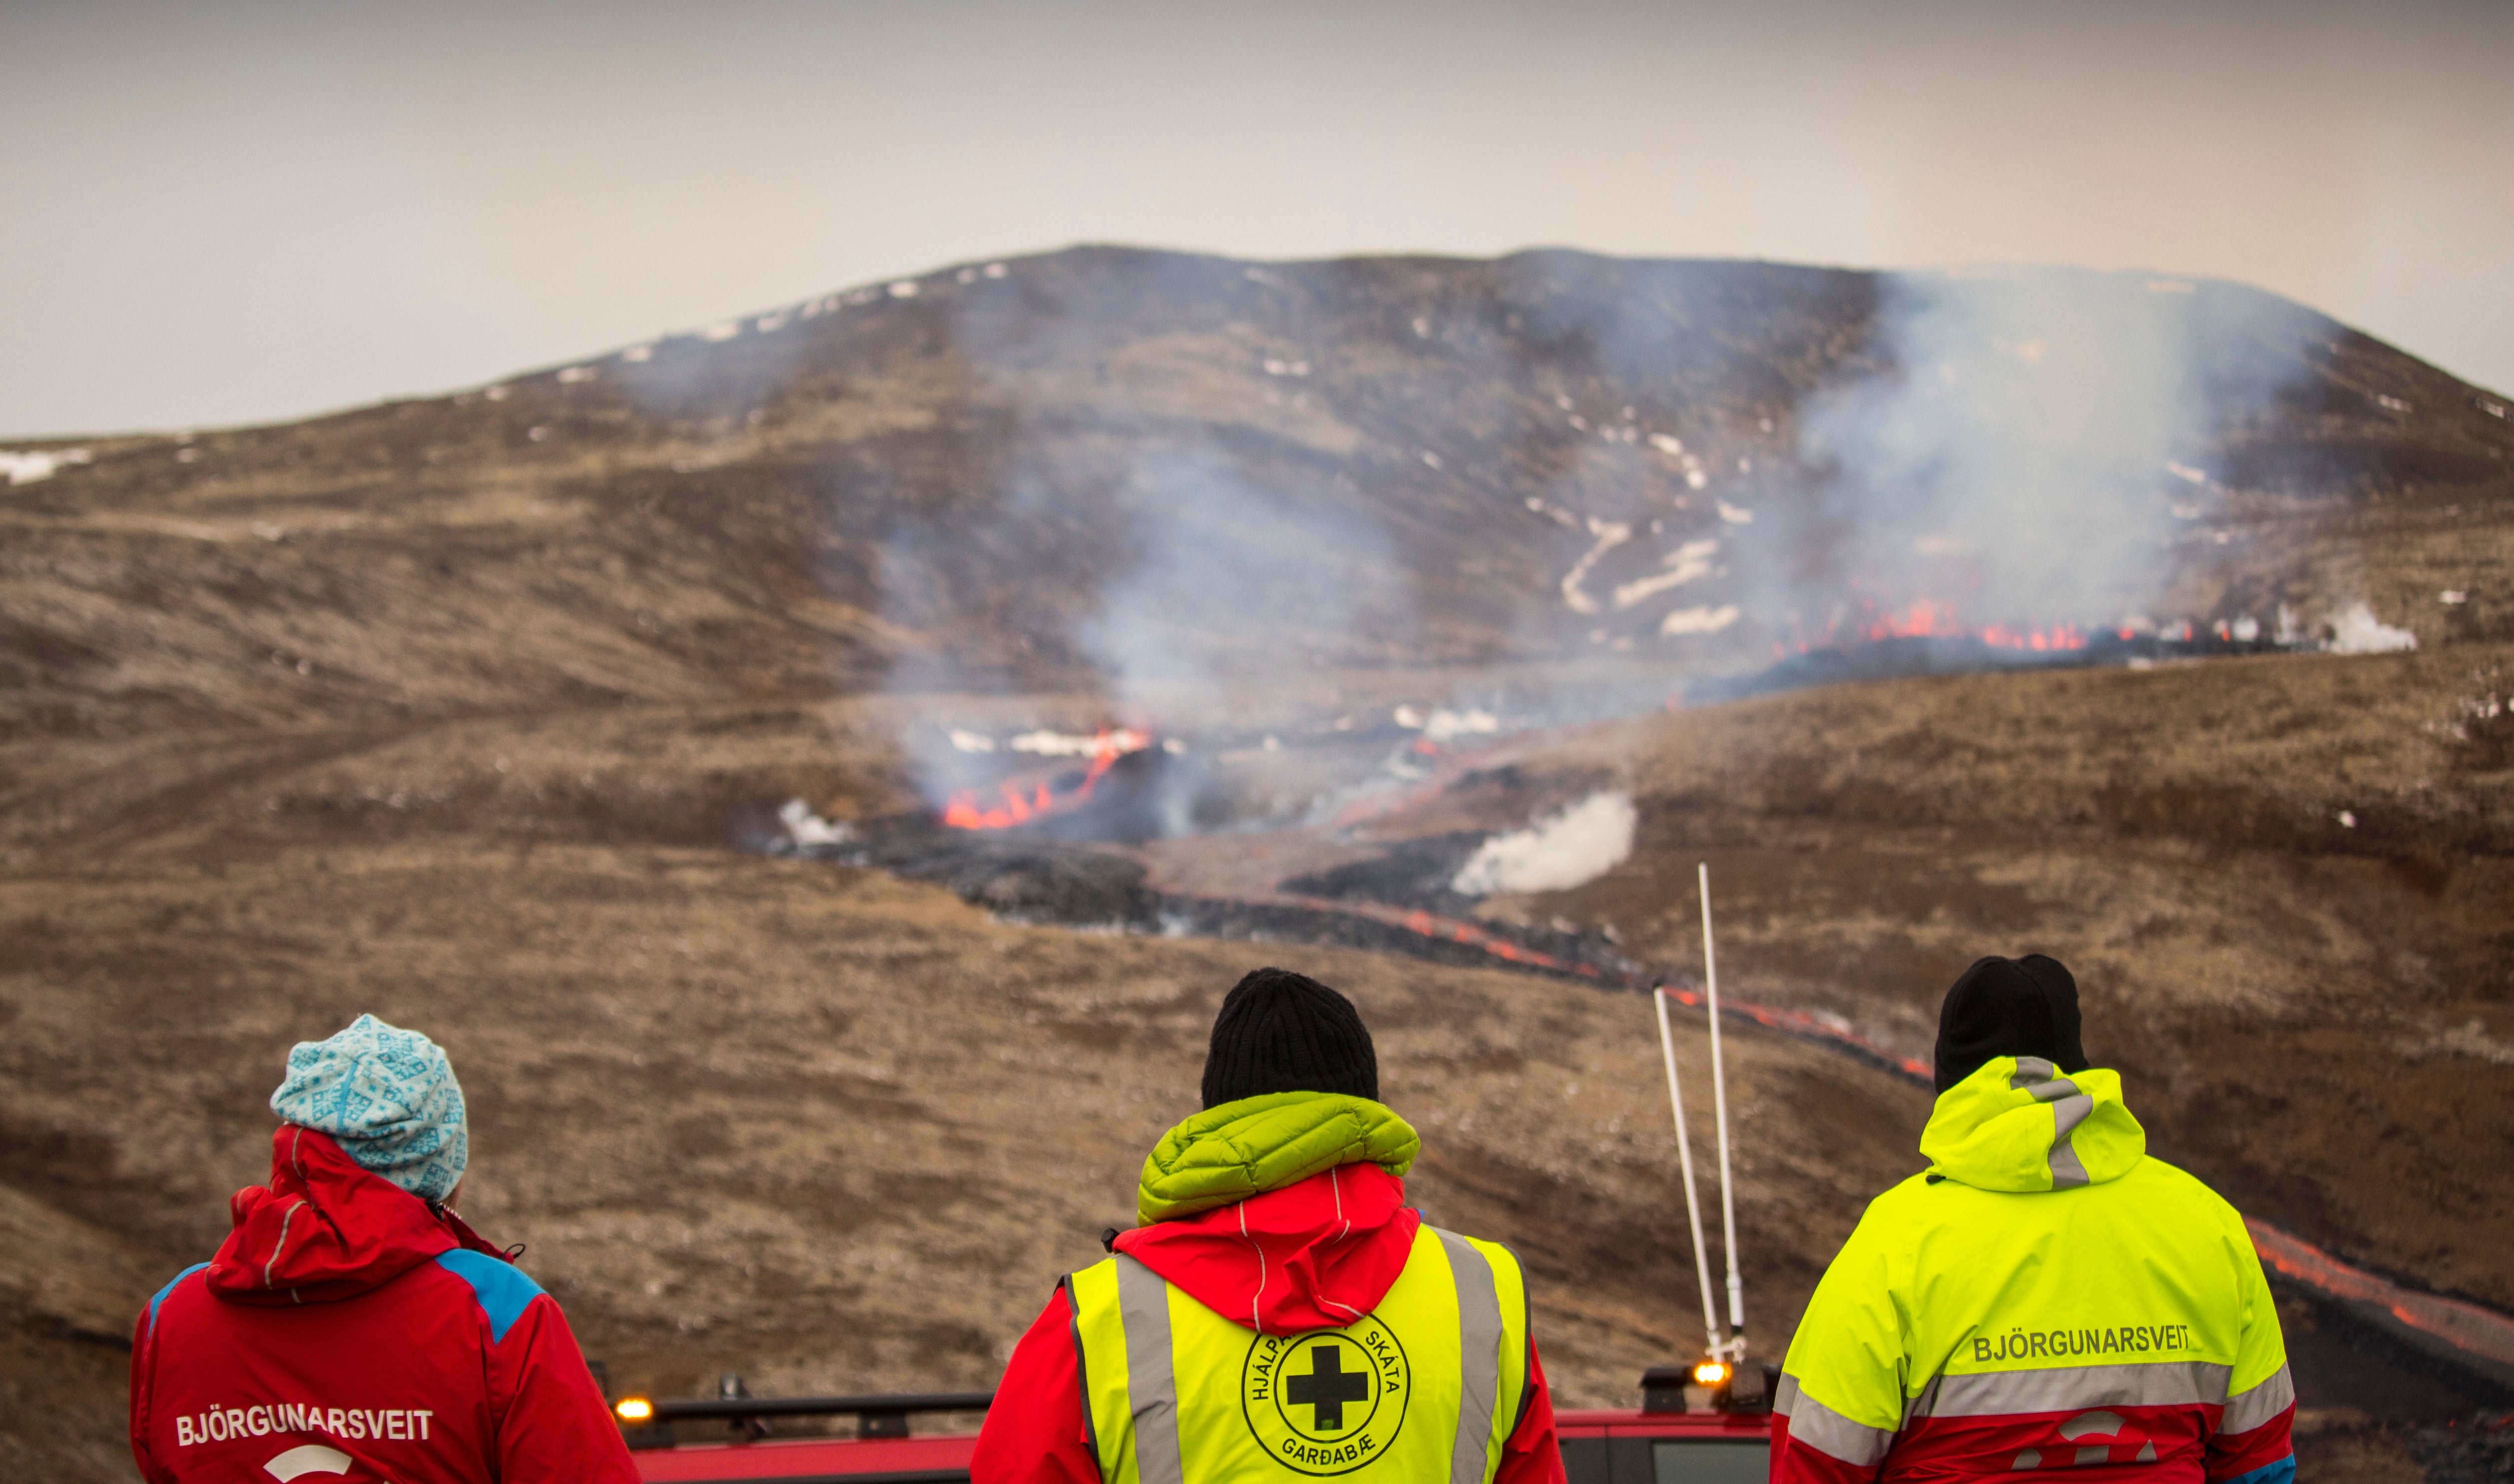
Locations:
287 1218
2042 1079
1921 1404
2069 1388
1827 1431
1151 1380
2067 1170
2258 1405
1081 1365
1786 1394
1478 1354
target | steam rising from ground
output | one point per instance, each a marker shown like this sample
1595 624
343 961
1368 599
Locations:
1140 542
2355 630
1227 579
1554 855
2027 447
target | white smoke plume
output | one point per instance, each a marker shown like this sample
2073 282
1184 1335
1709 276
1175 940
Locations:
2026 446
2355 630
1570 849
1226 578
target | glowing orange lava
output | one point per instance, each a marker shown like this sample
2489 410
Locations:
1936 618
965 811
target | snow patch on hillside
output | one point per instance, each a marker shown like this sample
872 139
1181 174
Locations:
1610 534
1443 724
26 468
1704 620
1685 564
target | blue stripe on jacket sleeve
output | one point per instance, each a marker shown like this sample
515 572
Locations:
501 1287
168 1289
2281 1472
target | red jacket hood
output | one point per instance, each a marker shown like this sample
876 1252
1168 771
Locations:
1316 1255
325 1230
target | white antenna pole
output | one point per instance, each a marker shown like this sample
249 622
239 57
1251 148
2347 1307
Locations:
1684 1158
1720 1112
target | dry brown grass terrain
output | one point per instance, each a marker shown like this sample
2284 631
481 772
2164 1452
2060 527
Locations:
830 1130
833 1130
2311 1014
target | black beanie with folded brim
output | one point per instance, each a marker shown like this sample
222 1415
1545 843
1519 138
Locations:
2009 1007
1285 1032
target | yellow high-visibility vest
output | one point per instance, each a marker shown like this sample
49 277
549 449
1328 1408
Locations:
1424 1388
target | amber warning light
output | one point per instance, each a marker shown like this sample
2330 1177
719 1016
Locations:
635 1409
1711 1373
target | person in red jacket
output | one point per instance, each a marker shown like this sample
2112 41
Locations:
352 1327
1281 1209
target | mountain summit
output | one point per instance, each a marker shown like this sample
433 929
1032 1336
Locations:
1120 470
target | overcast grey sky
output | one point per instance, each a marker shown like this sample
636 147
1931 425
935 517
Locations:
249 211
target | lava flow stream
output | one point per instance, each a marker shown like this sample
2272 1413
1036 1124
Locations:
1935 618
1829 1030
1022 803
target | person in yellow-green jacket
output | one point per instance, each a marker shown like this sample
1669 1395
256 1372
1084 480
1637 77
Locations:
2046 1297
1279 1313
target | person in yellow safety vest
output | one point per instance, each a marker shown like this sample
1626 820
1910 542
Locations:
2046 1297
1278 1313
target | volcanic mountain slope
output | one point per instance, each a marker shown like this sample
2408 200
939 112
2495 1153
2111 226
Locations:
1103 467
450 709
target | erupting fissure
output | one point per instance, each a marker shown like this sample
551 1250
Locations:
966 811
1935 618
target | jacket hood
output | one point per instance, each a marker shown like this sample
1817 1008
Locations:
1266 1143
2020 1124
325 1230
1286 1212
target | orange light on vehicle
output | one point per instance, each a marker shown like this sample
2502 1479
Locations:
635 1409
1710 1373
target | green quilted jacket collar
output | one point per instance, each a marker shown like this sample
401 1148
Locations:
1240 1149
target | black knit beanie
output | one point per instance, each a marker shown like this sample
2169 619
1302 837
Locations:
2009 1007
1285 1032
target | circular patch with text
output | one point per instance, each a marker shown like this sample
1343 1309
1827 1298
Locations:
1329 1401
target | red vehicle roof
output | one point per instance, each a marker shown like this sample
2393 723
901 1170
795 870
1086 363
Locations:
1744 1427
864 1460
1587 1439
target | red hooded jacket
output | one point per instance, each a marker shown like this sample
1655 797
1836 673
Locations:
349 1331
1311 1256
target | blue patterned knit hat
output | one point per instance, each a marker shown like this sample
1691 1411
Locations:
389 1097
